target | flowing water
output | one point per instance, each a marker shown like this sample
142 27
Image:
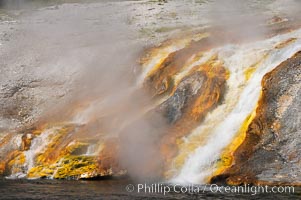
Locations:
220 127
199 151
202 148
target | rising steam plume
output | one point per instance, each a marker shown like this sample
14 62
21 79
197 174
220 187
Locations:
95 57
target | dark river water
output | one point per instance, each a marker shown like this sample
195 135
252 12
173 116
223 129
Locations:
107 189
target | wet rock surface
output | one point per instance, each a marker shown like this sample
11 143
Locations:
196 95
45 56
45 51
270 152
176 104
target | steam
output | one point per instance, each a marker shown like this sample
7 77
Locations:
90 58
86 60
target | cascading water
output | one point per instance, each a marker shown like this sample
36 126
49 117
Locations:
222 125
150 99
200 148
200 151
38 146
